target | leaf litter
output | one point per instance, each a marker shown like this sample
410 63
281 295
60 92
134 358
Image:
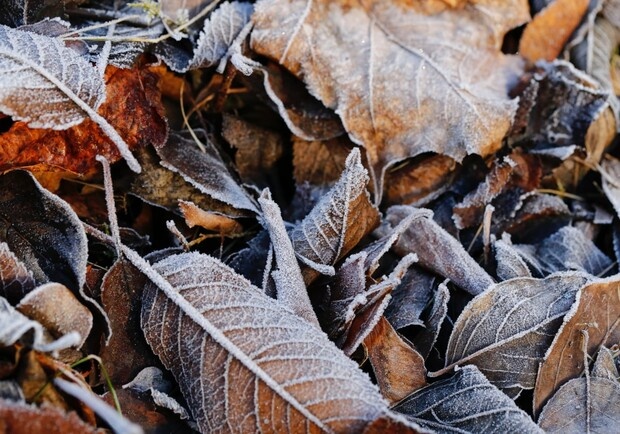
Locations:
364 216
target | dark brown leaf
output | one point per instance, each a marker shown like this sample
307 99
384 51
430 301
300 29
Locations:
21 418
15 279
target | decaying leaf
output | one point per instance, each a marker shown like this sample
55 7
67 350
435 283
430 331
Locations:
320 163
195 216
353 58
338 222
605 365
398 367
410 298
436 249
596 311
506 330
36 68
258 366
17 13
426 339
15 279
611 182
58 310
466 403
510 264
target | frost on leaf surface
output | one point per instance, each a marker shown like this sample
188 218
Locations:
15 279
506 330
466 403
404 80
219 32
246 363
44 83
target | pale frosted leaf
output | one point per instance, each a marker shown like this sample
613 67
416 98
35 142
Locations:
596 311
510 264
583 406
353 58
290 287
14 327
15 279
17 13
244 362
219 32
436 249
425 340
506 330
611 181
605 365
466 403
338 222
58 310
410 298
47 85
204 170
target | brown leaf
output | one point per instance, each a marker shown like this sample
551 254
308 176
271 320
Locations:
506 330
15 279
258 365
338 222
320 163
58 310
355 58
128 91
126 353
410 298
597 310
545 36
610 168
196 216
436 249
398 367
21 418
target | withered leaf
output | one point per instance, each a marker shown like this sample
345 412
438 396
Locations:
58 310
338 222
22 418
15 279
42 231
506 330
436 249
583 405
596 311
204 170
353 58
510 264
611 182
17 13
36 68
605 366
196 216
243 361
425 340
466 403
398 367
410 298
132 91
320 163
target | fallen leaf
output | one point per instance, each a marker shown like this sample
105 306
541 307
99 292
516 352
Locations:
611 181
16 13
398 367
320 163
597 311
195 216
265 363
410 298
506 330
509 262
425 340
352 58
338 222
128 91
465 403
436 249
605 366
545 36
58 310
15 279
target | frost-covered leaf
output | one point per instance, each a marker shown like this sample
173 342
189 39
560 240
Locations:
425 340
66 88
583 406
219 32
14 327
410 298
248 363
566 249
605 366
597 311
15 279
510 264
204 170
611 181
436 249
15 13
338 222
506 330
353 57
56 308
466 403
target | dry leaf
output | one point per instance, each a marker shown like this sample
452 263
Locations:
410 298
320 163
398 367
425 340
506 330
128 91
597 311
605 366
195 216
15 279
243 361
338 222
354 59
436 249
611 181
545 37
466 403
56 308
510 264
